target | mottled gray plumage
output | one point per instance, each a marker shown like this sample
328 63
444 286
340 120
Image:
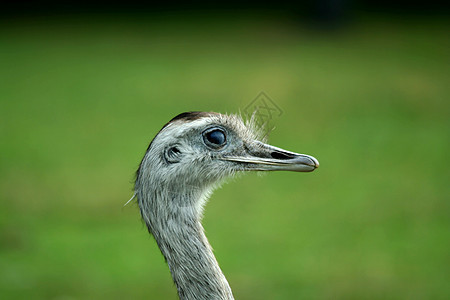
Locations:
185 161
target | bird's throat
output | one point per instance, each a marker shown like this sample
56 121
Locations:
182 241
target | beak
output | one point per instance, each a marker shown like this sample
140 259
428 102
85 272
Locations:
263 157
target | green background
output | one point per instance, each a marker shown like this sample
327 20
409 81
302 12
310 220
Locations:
81 98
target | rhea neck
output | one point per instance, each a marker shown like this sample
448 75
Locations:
174 219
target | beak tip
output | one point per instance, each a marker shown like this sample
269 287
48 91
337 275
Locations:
315 162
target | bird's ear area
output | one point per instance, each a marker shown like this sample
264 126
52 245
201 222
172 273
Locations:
172 154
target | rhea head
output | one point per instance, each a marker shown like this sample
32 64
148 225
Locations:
195 150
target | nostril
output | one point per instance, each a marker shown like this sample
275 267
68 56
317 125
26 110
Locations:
280 155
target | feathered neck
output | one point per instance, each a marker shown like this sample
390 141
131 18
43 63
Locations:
180 236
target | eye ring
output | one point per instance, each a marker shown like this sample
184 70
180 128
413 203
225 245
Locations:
215 137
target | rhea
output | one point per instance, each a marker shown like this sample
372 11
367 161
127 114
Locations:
186 160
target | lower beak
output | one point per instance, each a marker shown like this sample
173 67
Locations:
263 157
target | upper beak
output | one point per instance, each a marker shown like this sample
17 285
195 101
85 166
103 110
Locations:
263 157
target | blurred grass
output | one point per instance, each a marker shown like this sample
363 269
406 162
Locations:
82 98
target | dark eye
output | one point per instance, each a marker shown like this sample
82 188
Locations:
215 137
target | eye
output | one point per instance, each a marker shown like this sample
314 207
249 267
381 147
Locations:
215 137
